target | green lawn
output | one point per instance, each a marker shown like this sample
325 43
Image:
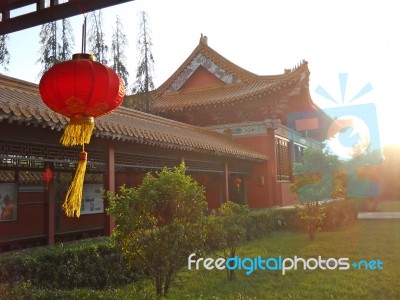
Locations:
368 239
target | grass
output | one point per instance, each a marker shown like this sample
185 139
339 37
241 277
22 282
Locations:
368 239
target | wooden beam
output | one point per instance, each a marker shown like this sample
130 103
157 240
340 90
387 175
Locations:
48 14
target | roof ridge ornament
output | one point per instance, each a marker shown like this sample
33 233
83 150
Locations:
203 39
296 67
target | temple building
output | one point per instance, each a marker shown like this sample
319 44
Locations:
228 125
211 92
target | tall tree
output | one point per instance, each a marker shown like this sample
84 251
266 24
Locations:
57 42
119 42
96 35
4 54
145 70
48 50
66 41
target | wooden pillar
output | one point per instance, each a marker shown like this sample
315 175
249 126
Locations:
49 200
226 183
272 167
109 185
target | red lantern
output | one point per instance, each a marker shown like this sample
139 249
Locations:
238 182
47 176
80 89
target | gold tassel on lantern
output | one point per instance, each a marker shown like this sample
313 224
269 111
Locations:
78 131
73 199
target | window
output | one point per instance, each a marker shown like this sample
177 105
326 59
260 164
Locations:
283 166
298 152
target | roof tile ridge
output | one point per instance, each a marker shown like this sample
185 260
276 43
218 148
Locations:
228 65
186 140
22 85
298 68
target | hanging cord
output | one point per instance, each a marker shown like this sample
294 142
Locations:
84 34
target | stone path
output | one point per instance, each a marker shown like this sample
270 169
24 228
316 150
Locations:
379 215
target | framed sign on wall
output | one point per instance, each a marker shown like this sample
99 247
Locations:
8 201
92 199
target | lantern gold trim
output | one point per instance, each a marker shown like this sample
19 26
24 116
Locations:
78 131
73 198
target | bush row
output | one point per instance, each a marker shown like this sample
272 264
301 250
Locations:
338 214
91 263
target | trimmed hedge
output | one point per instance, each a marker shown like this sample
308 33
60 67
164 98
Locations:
26 291
91 264
338 214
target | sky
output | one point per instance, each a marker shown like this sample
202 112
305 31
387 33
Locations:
349 44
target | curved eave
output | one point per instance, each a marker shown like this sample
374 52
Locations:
188 146
230 94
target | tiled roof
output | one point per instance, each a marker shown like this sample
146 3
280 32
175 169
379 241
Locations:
20 101
247 86
211 97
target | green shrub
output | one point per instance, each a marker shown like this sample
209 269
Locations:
226 230
338 214
91 263
26 291
160 223
258 223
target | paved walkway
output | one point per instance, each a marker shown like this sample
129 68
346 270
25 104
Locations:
379 215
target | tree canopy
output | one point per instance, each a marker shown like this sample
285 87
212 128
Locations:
4 53
160 223
57 41
145 69
118 45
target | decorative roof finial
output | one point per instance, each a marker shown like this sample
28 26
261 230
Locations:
203 39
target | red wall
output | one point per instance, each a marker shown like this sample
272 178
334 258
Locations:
214 188
272 193
261 187
89 221
288 198
201 78
30 206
